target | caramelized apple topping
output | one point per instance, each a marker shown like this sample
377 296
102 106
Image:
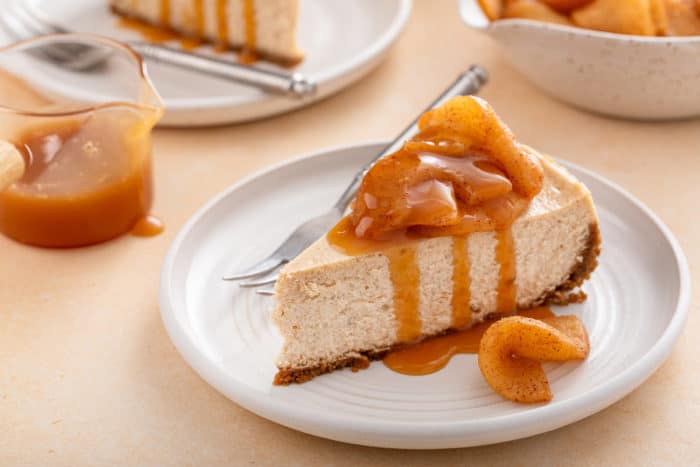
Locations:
463 172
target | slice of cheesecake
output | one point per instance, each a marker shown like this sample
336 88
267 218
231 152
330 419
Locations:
263 27
341 305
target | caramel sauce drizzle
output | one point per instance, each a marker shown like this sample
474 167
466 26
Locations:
461 283
165 13
199 17
405 276
505 257
248 54
222 25
434 354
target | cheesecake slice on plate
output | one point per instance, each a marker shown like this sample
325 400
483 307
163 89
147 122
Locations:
266 28
461 224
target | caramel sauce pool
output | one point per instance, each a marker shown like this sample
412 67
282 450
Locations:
435 353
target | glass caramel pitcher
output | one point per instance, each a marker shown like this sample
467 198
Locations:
76 114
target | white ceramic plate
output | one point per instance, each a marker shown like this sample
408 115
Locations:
638 302
343 41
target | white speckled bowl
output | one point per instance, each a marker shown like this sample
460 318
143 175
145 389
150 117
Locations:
644 78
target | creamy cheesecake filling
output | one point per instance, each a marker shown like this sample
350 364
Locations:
461 283
461 224
337 310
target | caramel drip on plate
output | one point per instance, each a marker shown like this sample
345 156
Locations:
433 354
248 54
222 24
461 283
405 277
165 13
505 257
147 31
148 226
160 33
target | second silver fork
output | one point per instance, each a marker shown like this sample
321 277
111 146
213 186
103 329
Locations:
22 21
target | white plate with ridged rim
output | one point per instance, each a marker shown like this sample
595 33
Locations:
638 303
342 41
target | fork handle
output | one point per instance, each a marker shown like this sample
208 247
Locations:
293 85
468 82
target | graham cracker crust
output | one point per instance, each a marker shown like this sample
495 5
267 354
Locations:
302 375
562 295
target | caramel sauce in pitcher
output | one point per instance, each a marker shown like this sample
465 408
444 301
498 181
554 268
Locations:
87 179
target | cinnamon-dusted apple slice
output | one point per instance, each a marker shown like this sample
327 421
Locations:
659 15
682 17
512 349
493 9
11 164
618 16
565 6
534 10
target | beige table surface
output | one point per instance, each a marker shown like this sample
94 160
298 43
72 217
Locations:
88 375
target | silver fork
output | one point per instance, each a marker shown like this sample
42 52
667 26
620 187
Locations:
263 272
23 21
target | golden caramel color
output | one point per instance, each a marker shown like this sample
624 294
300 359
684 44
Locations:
633 17
682 17
492 8
512 349
624 17
462 173
158 35
405 274
659 16
431 355
87 180
566 5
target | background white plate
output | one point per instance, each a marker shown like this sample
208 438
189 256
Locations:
343 41
638 302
